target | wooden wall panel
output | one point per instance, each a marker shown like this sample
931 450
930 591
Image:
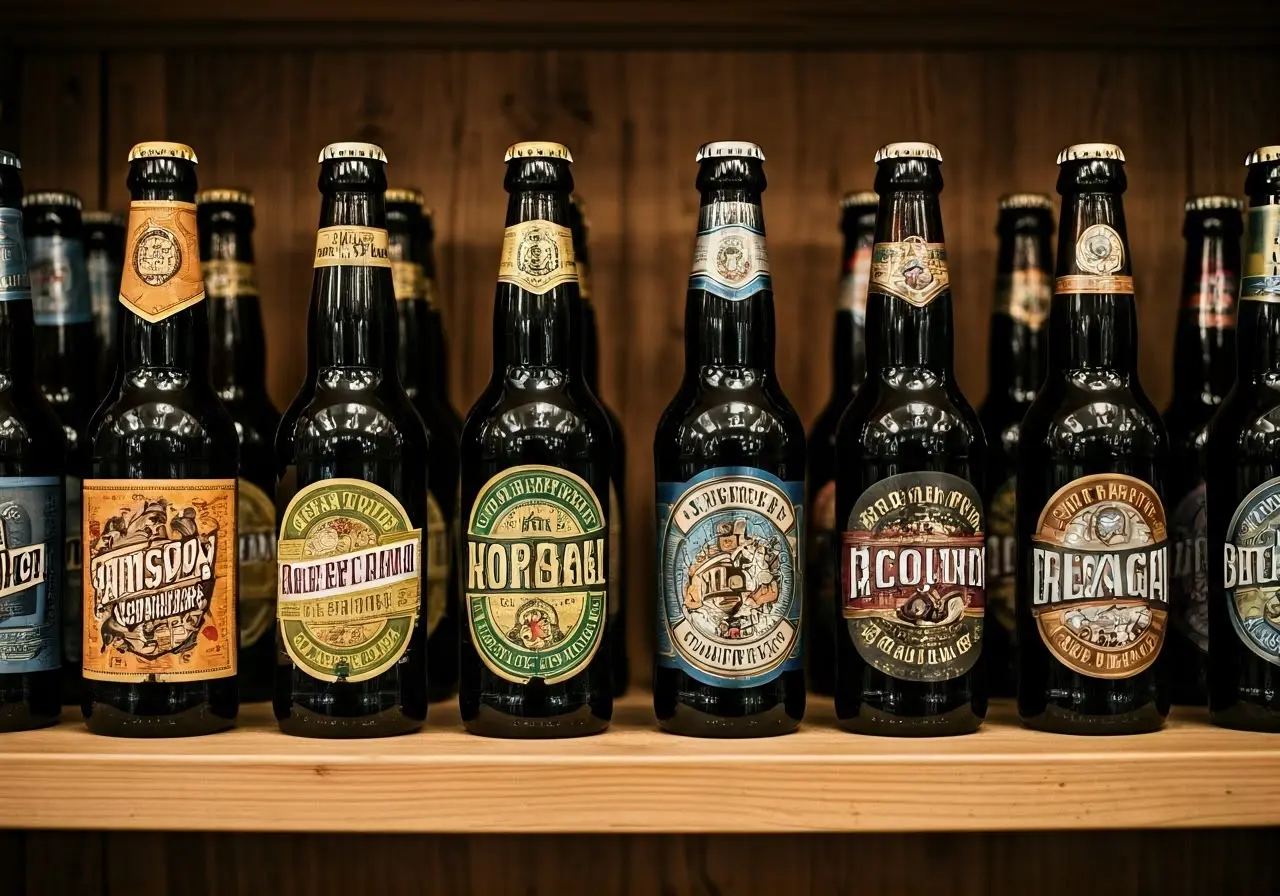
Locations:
61 116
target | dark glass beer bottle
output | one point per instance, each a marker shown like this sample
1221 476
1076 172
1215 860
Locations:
238 363
1093 547
436 340
908 492
849 368
1204 369
104 261
1017 353
32 463
160 648
66 371
351 460
419 329
536 459
1243 481
729 459
579 228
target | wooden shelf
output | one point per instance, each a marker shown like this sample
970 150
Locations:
635 779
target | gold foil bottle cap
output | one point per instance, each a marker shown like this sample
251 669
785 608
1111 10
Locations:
1263 154
1077 151
52 197
908 150
10 158
404 195
729 149
99 217
1025 200
351 150
862 197
537 149
162 149
228 195
1209 203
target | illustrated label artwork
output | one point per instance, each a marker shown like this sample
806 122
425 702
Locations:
350 584
439 557
1261 279
912 270
15 284
257 549
350 244
729 255
1002 554
59 281
1099 255
537 256
854 283
226 279
1025 296
1189 531
161 259
1100 575
160 595
1251 566
30 573
913 588
536 574
730 576
73 585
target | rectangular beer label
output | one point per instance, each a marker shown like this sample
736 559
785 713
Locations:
1261 280
59 281
30 573
1105 284
15 285
160 593
161 259
911 270
350 244
224 279
537 256
730 259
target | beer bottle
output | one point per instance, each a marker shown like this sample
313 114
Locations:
617 627
438 345
1017 353
908 490
1204 368
104 259
536 459
849 368
1243 481
1093 548
238 362
160 495
729 457
351 457
419 328
32 457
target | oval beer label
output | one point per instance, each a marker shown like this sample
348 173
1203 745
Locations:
1251 566
256 544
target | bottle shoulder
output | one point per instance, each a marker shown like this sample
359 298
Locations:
1093 414
31 435
547 410
705 424
910 410
1246 426
352 412
163 410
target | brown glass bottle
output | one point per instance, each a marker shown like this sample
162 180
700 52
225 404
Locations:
849 368
1093 549
160 652
419 326
1017 354
104 258
536 459
911 457
580 228
32 464
729 463
351 459
1243 480
238 364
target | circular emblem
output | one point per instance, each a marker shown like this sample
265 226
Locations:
156 256
733 259
538 253
1099 250
1252 571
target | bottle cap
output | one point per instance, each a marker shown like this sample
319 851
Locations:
101 217
537 149
228 195
352 151
1263 154
404 195
1206 203
911 150
1025 200
162 149
52 197
729 149
10 158
1077 151
862 197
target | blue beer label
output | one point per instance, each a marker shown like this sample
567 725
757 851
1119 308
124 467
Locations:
15 285
59 281
31 510
730 585
729 256
1251 568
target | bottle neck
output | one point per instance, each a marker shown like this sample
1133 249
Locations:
409 282
1204 355
1024 291
237 344
849 349
17 323
1258 319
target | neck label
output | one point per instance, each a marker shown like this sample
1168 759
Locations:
1024 295
1261 280
59 281
352 244
227 279
1099 255
537 256
15 285
912 270
161 260
730 260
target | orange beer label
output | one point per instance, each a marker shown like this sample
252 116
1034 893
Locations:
160 579
161 260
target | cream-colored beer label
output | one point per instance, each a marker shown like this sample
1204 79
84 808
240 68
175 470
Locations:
160 592
1025 295
225 279
439 556
406 277
1100 575
353 245
430 292
537 256
161 273
1261 279
256 541
350 582
536 574
730 260
912 270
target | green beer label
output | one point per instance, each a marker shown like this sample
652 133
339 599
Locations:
536 568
